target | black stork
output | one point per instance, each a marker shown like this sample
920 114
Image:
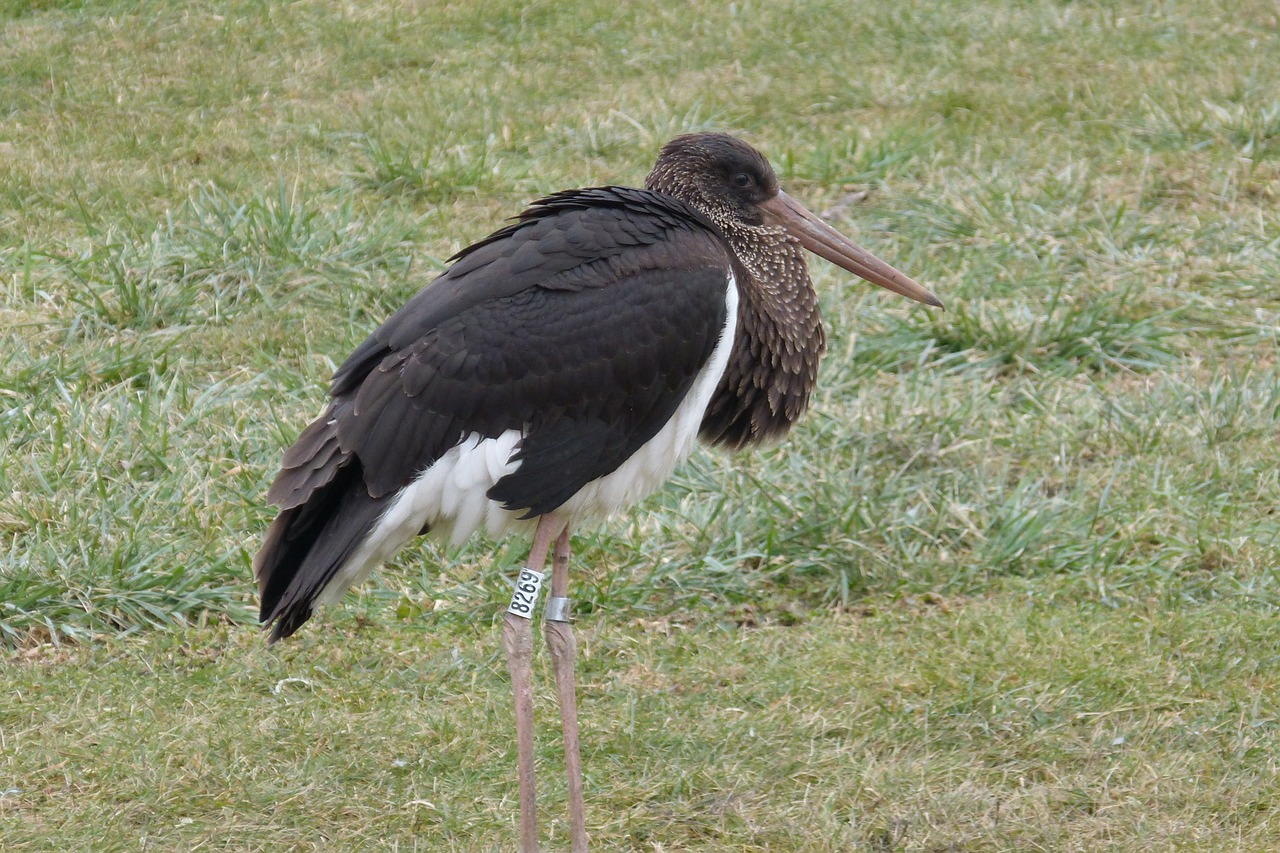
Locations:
556 373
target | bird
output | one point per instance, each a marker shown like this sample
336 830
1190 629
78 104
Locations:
556 373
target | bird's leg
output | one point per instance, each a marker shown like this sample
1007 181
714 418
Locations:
563 647
517 639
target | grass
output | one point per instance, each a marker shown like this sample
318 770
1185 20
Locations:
1010 585
1004 732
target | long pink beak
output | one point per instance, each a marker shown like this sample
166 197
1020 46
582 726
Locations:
826 242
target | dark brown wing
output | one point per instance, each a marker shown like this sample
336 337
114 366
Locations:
583 324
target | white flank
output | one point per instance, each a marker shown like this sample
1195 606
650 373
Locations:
450 495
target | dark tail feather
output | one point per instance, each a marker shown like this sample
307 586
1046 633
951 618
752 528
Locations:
307 544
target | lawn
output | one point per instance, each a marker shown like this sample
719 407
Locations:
1011 584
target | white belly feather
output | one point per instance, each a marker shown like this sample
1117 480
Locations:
450 495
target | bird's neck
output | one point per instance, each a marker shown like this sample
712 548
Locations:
773 366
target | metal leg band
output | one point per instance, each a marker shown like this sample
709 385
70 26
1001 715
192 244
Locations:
557 609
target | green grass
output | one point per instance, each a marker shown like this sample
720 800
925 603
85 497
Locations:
1009 722
1011 584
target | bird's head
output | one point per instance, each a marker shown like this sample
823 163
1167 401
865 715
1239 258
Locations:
717 174
733 185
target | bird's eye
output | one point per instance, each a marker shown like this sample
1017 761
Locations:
742 179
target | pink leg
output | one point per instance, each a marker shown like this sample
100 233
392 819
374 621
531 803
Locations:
517 639
563 647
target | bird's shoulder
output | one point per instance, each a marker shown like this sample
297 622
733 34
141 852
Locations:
592 220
